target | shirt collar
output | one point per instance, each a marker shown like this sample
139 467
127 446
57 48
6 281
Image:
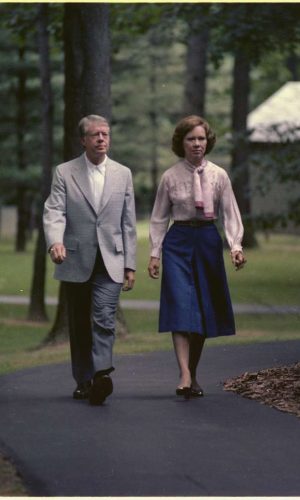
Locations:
192 167
92 166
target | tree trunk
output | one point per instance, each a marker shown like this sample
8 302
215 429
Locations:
87 91
87 69
22 200
292 63
23 218
60 328
196 63
153 116
37 309
240 153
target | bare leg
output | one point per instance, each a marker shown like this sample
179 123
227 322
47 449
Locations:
182 350
196 347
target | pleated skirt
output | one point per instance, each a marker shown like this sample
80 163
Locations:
194 291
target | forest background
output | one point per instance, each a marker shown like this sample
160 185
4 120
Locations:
143 66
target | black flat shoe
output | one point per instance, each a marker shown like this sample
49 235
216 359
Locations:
183 391
197 393
82 391
102 387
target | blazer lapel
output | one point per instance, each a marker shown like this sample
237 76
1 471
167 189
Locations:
110 181
80 175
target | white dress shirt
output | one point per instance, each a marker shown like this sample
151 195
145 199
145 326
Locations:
175 200
96 175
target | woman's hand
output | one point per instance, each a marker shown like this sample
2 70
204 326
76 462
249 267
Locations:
238 259
153 267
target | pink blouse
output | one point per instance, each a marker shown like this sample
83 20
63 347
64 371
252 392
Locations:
175 200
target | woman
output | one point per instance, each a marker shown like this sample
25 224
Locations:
195 301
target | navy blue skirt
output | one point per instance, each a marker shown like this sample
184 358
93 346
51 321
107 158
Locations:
194 291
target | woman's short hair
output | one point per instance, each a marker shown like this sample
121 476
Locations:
86 120
184 126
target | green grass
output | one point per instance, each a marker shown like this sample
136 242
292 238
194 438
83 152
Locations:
16 271
21 341
271 276
143 334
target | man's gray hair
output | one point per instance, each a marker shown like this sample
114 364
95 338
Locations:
84 122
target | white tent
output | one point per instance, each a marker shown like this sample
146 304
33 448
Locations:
278 118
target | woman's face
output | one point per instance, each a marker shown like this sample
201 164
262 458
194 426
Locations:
194 145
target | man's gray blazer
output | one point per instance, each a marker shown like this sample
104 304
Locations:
70 217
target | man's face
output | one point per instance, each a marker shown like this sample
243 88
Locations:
96 141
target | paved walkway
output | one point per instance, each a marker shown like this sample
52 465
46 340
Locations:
152 305
146 442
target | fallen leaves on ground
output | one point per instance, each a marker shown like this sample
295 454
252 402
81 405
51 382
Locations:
11 483
277 387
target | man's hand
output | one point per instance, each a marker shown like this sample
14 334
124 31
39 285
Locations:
57 253
153 267
238 259
129 279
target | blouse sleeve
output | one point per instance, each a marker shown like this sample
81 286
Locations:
160 218
231 217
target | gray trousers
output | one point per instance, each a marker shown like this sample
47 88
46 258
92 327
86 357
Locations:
92 307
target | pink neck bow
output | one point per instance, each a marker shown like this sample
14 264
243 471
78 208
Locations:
203 192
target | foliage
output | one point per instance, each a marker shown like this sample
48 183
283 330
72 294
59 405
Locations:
278 163
254 28
148 74
240 34
147 100
18 23
10 179
129 21
272 72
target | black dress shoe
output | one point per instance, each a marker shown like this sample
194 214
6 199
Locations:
184 391
82 390
197 393
101 388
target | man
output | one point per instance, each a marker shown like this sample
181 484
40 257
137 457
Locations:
89 223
